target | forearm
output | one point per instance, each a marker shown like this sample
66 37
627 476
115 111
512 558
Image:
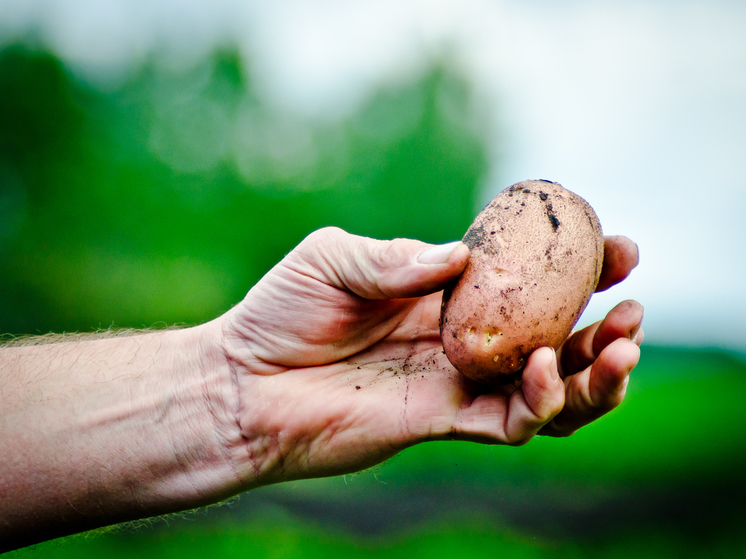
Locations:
100 432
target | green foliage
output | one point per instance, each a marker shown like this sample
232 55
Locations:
166 199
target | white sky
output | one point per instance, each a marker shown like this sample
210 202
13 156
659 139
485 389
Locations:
638 106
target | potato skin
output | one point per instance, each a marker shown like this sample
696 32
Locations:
536 255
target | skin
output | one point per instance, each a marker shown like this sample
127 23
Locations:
332 363
387 342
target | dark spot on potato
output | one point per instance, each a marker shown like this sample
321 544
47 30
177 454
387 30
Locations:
552 217
357 388
526 191
474 237
554 221
545 180
476 287
543 196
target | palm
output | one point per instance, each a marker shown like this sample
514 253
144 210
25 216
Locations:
399 391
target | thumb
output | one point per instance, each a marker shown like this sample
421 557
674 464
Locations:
378 269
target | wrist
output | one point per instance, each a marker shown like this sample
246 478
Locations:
220 469
206 440
251 420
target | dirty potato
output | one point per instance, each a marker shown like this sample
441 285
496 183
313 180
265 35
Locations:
536 256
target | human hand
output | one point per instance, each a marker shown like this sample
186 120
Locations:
338 364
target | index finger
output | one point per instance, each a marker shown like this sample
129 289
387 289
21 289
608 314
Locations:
621 255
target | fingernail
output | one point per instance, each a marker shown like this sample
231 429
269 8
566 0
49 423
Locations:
553 365
633 333
638 337
623 388
438 254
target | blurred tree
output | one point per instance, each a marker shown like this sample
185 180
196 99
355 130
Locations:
167 198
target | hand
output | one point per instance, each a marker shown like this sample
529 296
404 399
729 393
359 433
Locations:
337 359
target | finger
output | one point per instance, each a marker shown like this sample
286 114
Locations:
582 347
378 269
621 255
539 399
514 417
596 390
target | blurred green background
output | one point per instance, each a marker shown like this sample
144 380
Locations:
163 199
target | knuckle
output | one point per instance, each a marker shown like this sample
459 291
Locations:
550 408
554 412
386 253
325 234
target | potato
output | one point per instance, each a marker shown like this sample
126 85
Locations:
536 256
